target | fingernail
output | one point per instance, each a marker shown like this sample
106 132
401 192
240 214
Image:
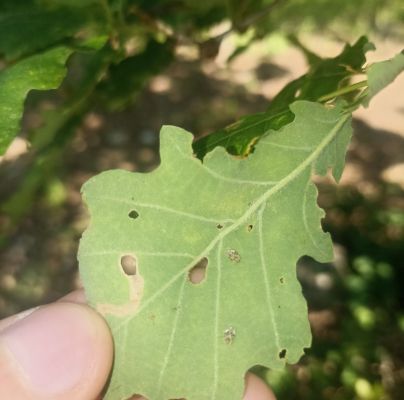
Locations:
53 346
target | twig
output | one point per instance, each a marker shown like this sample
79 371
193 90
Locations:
343 90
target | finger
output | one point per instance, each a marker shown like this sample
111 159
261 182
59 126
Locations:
256 389
77 296
4 323
59 351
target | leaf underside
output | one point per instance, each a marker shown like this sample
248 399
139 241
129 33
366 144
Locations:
381 74
251 218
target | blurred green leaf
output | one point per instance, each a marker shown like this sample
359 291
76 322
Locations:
40 72
327 75
29 26
125 79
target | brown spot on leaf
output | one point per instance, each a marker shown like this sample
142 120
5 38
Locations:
233 255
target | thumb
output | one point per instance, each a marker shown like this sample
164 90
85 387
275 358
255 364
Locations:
59 351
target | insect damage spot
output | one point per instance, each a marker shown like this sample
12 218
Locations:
282 279
233 255
133 214
250 228
129 265
282 354
219 226
198 272
229 334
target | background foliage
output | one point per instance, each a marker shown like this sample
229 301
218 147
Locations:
118 48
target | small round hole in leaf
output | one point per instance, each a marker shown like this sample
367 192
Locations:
129 265
198 272
282 354
133 214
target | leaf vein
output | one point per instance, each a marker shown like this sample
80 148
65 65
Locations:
286 147
172 338
139 252
161 208
265 277
216 323
206 169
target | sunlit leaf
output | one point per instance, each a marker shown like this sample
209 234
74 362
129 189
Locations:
324 76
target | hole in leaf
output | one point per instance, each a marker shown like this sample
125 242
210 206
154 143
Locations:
133 214
219 226
282 353
198 272
249 228
129 265
282 279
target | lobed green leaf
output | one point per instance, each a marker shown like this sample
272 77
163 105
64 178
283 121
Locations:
252 219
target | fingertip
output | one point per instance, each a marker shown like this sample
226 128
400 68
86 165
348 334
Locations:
256 389
62 350
77 296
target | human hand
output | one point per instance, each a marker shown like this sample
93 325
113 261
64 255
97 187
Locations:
64 350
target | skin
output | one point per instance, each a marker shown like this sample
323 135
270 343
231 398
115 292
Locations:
64 350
